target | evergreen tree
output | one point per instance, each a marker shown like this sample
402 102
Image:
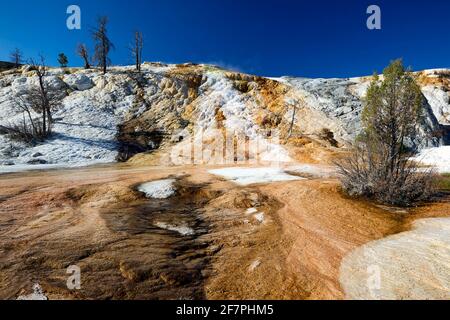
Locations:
63 61
379 165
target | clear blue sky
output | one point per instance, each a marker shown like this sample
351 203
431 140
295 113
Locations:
315 38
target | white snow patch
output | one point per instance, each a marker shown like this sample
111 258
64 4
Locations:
86 123
183 230
255 264
260 217
312 169
34 167
274 153
436 157
248 176
161 189
37 294
79 82
85 127
158 67
278 79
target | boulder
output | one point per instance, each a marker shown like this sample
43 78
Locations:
20 85
79 82
54 82
23 84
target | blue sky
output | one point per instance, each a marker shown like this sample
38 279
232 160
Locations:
302 38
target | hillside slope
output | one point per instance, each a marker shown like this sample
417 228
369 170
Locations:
104 118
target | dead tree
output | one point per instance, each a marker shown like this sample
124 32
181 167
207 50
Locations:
41 98
82 51
136 49
29 128
294 105
16 57
102 44
291 127
36 103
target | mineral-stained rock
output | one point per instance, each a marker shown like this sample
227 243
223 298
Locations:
118 115
409 265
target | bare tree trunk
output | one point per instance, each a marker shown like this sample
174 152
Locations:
292 122
86 63
137 48
104 57
138 65
83 53
46 112
103 44
16 57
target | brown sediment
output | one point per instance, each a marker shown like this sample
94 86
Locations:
325 226
95 218
108 230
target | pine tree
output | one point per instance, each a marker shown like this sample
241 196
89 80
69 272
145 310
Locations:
63 61
392 113
379 165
